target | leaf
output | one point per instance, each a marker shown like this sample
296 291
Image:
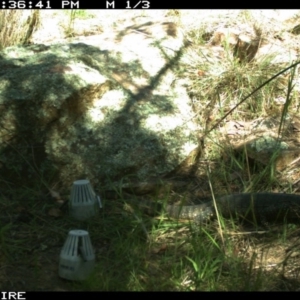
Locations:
55 212
54 194
160 249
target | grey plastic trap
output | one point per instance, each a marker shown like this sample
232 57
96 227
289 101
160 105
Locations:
84 203
77 257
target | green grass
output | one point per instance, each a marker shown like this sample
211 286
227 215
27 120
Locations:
173 256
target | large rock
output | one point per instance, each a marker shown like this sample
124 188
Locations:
106 109
262 143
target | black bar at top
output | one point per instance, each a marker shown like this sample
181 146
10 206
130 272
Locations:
134 4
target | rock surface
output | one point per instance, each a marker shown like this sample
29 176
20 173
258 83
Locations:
104 110
262 143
